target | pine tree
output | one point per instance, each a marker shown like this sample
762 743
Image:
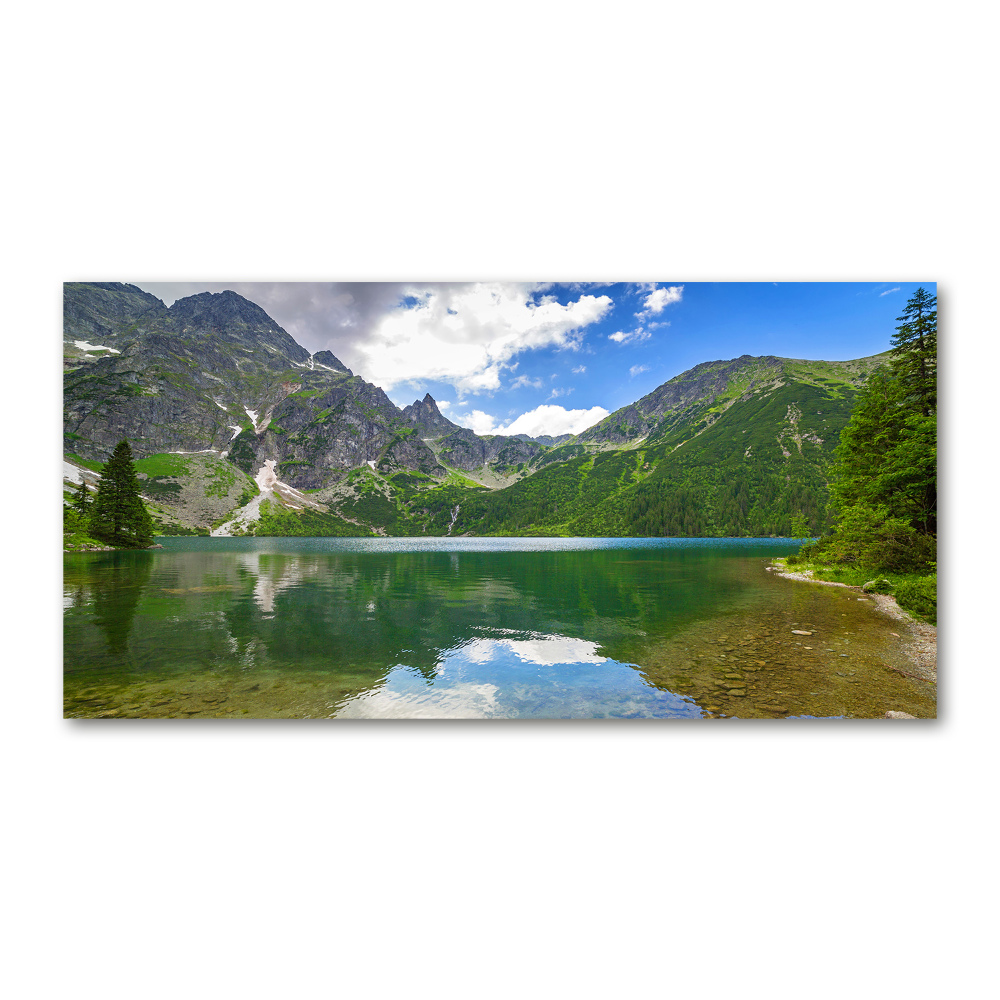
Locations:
869 437
915 342
81 498
117 514
909 477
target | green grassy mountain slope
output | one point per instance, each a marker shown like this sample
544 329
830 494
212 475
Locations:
746 457
696 398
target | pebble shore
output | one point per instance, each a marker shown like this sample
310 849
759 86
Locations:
920 645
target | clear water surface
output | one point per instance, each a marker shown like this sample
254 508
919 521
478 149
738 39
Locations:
471 628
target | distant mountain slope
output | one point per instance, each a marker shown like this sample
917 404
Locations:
493 459
735 447
705 391
545 439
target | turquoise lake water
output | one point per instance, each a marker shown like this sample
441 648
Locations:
470 628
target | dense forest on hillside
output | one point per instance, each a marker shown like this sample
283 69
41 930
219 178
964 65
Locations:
884 484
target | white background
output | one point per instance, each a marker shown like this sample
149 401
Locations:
773 141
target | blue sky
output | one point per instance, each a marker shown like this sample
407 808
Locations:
540 358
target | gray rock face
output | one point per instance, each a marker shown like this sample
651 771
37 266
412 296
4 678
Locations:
466 450
236 321
545 439
427 418
463 449
327 358
100 312
339 422
214 373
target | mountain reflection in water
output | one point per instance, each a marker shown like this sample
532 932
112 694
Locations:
460 628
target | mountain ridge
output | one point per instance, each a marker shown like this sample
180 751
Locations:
214 375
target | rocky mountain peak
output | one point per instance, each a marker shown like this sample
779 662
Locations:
428 418
100 312
220 309
328 359
236 318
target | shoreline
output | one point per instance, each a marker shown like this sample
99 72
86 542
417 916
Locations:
107 548
920 646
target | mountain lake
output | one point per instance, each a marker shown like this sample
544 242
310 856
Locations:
459 628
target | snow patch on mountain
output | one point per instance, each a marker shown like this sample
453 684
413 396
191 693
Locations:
84 346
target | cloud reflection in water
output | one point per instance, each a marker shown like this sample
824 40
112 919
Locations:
536 675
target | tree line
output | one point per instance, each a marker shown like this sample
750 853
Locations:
884 486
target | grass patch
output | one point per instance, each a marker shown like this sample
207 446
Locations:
221 479
412 480
914 592
161 529
86 463
164 465
276 521
457 479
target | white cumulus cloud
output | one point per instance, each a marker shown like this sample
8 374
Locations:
524 382
638 370
579 369
659 298
636 336
545 419
467 334
477 420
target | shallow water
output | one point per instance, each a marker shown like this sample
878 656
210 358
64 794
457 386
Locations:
471 628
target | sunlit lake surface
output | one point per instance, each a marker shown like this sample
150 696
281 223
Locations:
471 628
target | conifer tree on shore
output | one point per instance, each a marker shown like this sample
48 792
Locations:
914 361
117 514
